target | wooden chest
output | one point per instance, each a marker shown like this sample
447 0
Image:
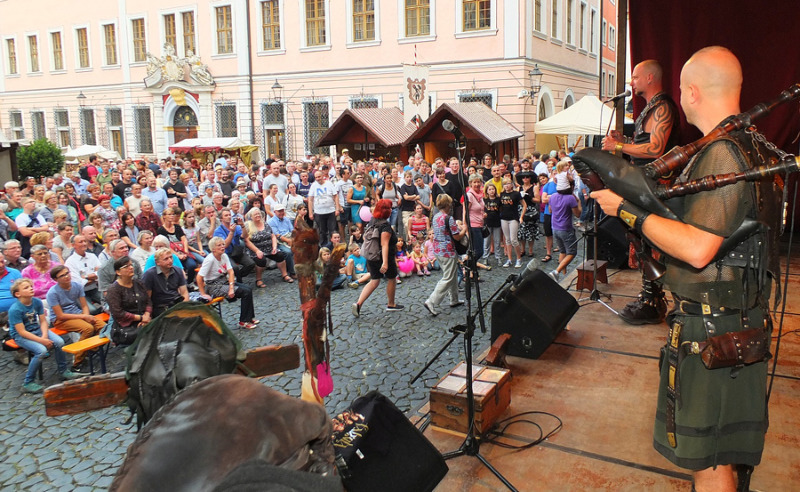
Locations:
449 398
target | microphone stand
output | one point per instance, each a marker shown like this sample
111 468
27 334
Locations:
595 295
472 443
459 329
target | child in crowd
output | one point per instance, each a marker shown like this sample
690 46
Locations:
420 260
491 204
319 267
356 236
427 247
565 175
29 328
356 267
402 256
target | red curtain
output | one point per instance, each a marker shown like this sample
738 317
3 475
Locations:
763 35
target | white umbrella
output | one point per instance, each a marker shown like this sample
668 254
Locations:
85 151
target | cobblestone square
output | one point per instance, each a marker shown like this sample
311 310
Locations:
379 350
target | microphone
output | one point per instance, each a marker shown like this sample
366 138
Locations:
621 95
452 128
532 266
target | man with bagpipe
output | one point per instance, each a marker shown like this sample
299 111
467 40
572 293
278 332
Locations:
721 257
656 130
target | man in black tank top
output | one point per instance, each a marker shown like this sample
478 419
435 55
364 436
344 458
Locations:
656 131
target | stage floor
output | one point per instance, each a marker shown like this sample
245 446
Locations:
600 377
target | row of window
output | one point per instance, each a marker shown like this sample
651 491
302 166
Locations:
417 17
315 117
81 35
572 21
62 131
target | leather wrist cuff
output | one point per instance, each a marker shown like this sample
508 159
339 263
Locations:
632 215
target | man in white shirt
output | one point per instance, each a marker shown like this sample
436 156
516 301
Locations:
323 206
539 167
83 266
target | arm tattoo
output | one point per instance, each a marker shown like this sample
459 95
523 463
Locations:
662 127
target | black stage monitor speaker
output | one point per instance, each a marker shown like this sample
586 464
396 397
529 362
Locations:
612 243
378 448
533 311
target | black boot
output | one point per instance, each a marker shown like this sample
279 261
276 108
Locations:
649 308
743 474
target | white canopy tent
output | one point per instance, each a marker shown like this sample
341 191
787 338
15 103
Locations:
88 150
588 116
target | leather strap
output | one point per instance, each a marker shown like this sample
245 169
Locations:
673 389
693 308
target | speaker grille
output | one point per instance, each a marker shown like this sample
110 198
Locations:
533 314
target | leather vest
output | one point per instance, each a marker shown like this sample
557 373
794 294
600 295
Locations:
640 136
748 258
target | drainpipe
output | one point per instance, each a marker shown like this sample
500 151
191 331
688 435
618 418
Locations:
250 76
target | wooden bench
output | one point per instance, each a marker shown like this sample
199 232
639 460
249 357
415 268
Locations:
217 301
91 343
12 345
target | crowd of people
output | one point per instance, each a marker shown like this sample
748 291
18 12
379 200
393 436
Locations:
132 238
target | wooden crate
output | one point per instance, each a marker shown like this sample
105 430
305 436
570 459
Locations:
448 400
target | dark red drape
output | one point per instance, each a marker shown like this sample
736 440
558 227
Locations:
764 35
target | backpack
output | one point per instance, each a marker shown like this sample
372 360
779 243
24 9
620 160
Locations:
371 250
185 344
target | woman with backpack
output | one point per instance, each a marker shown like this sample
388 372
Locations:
380 249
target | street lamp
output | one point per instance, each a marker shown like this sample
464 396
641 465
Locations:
277 91
81 99
536 81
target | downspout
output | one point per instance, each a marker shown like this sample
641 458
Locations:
250 76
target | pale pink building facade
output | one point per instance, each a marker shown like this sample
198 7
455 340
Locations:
326 56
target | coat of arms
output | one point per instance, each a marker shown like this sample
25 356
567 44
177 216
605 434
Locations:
416 90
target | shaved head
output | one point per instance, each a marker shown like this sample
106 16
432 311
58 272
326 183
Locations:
652 67
646 79
715 70
711 82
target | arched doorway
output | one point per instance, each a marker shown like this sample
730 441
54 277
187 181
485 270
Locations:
184 123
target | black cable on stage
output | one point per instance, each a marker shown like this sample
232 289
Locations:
500 427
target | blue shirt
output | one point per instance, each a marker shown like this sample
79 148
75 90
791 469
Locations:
80 186
359 263
69 300
281 227
550 189
116 201
151 262
27 315
157 197
223 232
6 299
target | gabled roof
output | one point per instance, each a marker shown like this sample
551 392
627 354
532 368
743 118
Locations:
384 126
476 121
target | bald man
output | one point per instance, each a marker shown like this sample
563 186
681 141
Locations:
656 131
714 421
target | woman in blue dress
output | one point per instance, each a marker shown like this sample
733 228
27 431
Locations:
357 197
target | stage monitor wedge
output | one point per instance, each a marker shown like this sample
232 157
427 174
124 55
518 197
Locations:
533 313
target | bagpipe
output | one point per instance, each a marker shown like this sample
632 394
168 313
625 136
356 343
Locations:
600 170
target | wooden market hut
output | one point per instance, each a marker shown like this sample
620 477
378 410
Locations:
370 132
485 131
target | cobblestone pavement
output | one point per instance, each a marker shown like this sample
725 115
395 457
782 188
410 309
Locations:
380 350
